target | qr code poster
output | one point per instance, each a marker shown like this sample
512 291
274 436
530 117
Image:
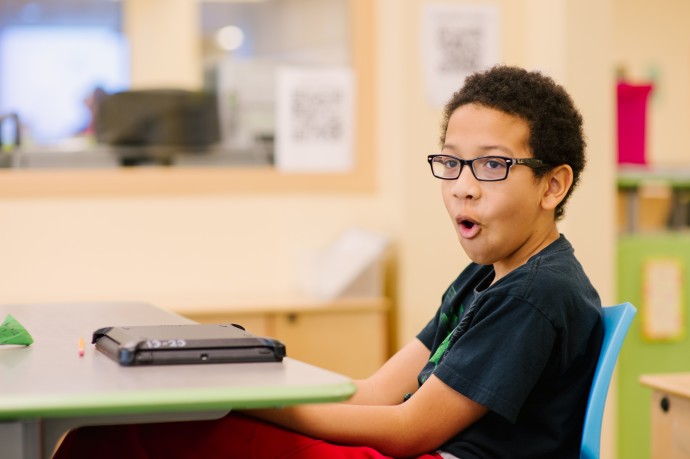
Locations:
315 119
457 40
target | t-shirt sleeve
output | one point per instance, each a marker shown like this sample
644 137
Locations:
427 334
434 332
499 359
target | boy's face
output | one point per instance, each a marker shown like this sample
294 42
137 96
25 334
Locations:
501 223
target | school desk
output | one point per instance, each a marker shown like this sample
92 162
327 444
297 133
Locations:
670 435
47 388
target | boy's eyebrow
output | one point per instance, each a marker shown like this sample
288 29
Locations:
496 147
485 148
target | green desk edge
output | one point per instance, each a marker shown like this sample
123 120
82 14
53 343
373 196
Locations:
159 401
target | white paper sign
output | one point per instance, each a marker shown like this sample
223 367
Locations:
457 40
663 299
315 120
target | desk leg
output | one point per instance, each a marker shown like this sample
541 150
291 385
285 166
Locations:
21 439
54 429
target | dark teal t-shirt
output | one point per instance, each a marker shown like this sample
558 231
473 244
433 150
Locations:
526 348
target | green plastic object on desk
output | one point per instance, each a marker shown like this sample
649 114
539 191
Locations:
12 332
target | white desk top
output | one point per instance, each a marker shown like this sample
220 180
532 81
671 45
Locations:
50 379
672 383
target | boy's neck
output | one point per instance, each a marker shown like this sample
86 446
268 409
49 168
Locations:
535 245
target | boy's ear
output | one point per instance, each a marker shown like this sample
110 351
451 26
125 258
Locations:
558 181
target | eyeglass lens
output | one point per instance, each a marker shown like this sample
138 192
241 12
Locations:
485 168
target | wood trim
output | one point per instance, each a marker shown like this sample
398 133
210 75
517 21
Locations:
276 304
364 64
124 182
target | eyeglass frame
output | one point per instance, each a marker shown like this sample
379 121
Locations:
532 163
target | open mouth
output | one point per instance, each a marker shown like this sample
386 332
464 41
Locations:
467 228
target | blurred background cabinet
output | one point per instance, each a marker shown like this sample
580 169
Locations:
670 409
349 336
653 226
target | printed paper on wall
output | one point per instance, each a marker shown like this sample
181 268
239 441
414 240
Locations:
662 296
457 40
315 120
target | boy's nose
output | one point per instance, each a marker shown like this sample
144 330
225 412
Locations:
466 186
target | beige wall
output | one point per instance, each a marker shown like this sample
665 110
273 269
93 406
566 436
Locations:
651 43
71 249
163 55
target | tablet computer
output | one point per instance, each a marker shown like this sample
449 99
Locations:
185 344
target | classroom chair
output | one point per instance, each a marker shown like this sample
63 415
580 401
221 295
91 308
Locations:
617 320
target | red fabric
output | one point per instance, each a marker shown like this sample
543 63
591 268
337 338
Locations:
232 437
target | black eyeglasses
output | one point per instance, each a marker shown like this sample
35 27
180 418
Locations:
484 168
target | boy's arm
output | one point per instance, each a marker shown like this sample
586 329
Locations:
422 424
376 416
395 378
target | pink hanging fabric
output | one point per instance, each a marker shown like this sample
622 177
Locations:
632 121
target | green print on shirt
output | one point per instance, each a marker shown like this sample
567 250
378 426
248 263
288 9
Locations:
449 324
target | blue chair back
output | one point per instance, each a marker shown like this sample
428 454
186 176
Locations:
617 321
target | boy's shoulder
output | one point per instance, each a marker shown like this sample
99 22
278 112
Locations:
556 260
556 263
552 276
552 280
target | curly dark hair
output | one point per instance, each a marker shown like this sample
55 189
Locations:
556 135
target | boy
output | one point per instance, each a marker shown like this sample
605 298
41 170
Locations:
505 366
